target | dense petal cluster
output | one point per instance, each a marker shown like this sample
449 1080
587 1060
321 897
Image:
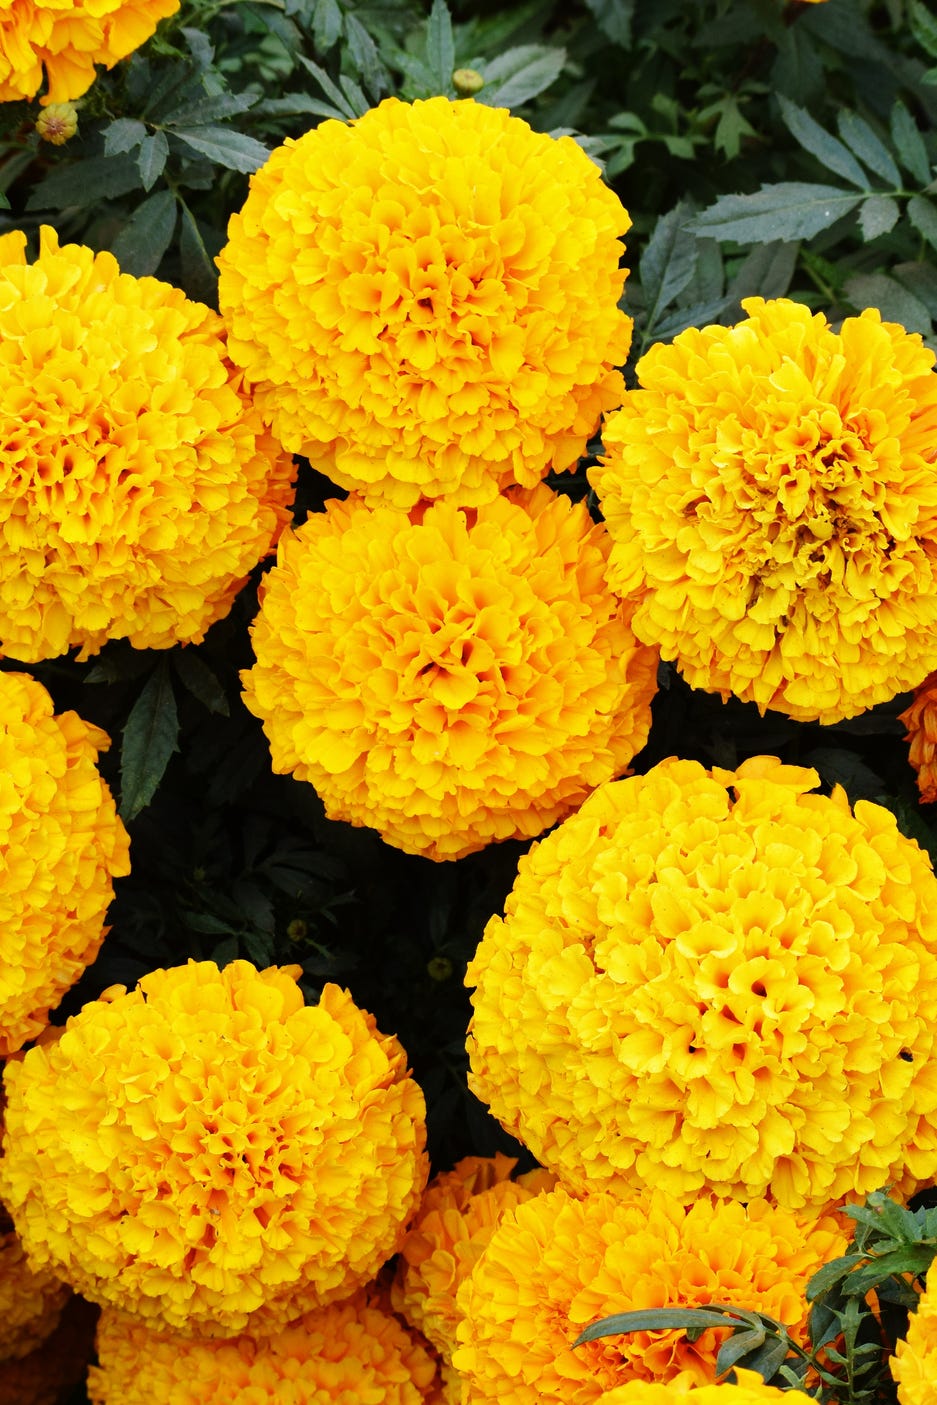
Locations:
556 1264
350 1353
138 485
45 40
920 718
458 1215
212 1154
914 1364
61 846
48 1374
716 980
747 1389
449 677
31 1302
772 495
425 299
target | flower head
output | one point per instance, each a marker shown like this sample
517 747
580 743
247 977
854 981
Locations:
138 486
426 299
716 980
53 1368
914 1363
555 1264
747 1389
451 677
31 1302
351 1351
212 1154
920 718
771 492
45 40
61 846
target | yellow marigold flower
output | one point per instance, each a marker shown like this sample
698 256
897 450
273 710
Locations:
555 1264
426 299
210 1153
61 846
351 1351
921 721
747 1389
914 1364
61 43
716 981
52 1369
138 486
772 496
460 1211
31 1302
451 677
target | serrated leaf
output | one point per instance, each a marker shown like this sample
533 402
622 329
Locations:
199 46
652 1320
326 25
923 215
210 109
921 280
831 1273
199 275
199 680
357 100
144 239
692 316
297 104
123 135
224 147
923 26
878 215
829 150
667 264
893 301
152 155
440 46
765 272
786 211
909 144
520 74
910 1258
865 143
768 1360
363 53
332 91
613 18
86 182
149 738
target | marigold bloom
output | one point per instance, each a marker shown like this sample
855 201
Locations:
138 486
747 1389
914 1364
772 497
61 846
31 1302
716 980
52 1369
348 1352
920 718
60 43
556 1264
210 1153
451 677
458 1215
426 300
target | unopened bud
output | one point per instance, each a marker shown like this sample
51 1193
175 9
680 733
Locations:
439 968
467 82
57 122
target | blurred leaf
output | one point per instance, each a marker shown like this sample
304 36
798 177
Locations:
878 215
765 272
199 680
909 144
923 26
198 270
895 303
440 46
830 152
520 74
83 182
786 211
923 215
326 25
331 90
123 135
837 766
864 141
225 147
144 239
613 18
152 155
149 738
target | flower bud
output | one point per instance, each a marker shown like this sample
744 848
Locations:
58 122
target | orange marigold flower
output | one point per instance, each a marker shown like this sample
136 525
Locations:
426 299
772 497
61 43
921 721
61 846
138 486
914 1364
451 677
556 1264
52 1369
460 1211
716 981
31 1302
747 1389
351 1351
212 1154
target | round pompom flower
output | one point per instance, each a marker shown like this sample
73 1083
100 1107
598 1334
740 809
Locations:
914 1364
458 1215
138 485
61 846
63 42
555 1264
426 300
747 1389
716 981
920 718
771 492
51 1370
343 1354
211 1153
31 1302
449 677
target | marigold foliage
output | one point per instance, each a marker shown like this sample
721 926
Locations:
458 1215
716 980
555 1264
425 299
451 677
47 41
914 1363
61 846
747 1389
210 1153
772 495
138 486
350 1353
31 1303
920 718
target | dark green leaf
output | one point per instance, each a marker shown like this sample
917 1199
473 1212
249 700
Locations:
831 1273
878 215
737 1347
909 144
923 26
326 25
210 109
837 766
295 105
363 53
613 18
332 91
198 270
520 74
909 1258
921 280
654 1319
923 215
226 952
765 272
865 142
355 95
786 211
152 155
123 135
767 1360
200 47
149 738
667 263
144 239
828 150
86 182
225 147
693 316
198 679
893 301
440 46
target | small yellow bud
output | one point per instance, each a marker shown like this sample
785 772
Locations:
439 968
467 82
57 122
297 930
